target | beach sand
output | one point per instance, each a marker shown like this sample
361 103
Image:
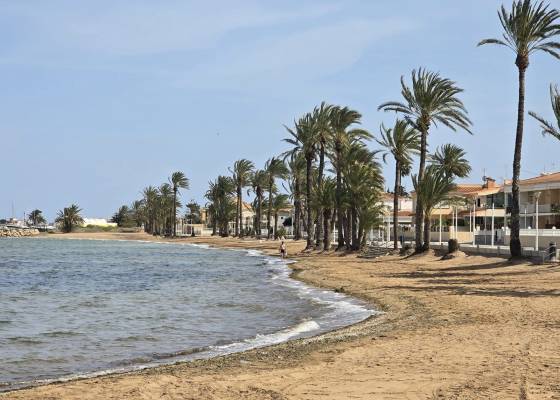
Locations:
467 328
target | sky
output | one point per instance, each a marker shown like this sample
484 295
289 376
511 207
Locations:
99 99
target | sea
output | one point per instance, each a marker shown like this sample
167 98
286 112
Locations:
74 308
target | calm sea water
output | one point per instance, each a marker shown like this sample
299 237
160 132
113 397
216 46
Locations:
71 308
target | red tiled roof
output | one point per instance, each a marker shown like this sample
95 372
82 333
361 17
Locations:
543 178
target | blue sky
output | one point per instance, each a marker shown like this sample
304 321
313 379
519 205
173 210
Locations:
101 98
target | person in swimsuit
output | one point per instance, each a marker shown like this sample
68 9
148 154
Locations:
283 252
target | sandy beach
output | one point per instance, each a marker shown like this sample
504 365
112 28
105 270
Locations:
467 328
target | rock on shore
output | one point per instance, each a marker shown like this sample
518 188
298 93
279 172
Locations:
6 231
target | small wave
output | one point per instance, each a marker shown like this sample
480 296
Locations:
199 245
284 335
61 333
254 253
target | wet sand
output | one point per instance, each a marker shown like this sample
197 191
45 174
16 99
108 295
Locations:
467 328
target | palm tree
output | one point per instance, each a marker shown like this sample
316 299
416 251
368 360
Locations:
178 181
69 217
166 207
363 182
528 28
431 100
274 168
121 216
220 193
402 142
151 199
326 201
36 217
547 127
258 183
242 170
321 122
341 119
138 212
431 191
296 167
450 160
304 139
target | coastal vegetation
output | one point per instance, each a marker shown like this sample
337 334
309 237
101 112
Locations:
69 218
36 217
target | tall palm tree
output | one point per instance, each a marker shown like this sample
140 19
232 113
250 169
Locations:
451 161
242 170
527 28
178 181
341 119
274 168
304 139
321 122
431 191
402 142
69 217
296 166
430 101
258 183
547 127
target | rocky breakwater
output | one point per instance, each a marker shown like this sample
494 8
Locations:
10 231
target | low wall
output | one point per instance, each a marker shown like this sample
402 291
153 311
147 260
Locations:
529 241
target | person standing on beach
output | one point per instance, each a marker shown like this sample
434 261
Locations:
283 252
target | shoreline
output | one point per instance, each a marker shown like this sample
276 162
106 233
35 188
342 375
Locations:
442 335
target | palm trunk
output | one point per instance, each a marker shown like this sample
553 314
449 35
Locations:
515 242
174 212
348 230
355 244
309 161
319 228
296 226
214 223
275 225
333 220
269 211
419 207
427 228
259 211
396 206
338 195
241 231
237 212
326 229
